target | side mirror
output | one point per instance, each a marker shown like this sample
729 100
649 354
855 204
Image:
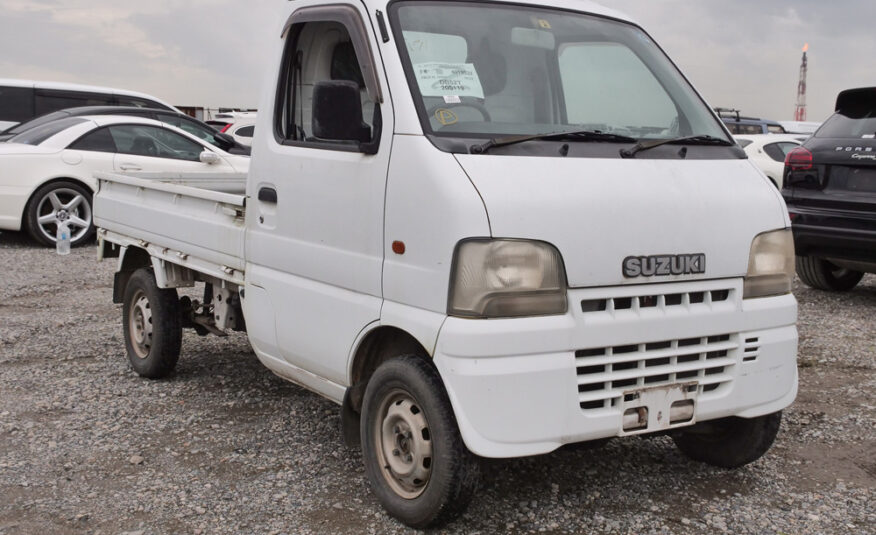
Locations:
209 158
337 112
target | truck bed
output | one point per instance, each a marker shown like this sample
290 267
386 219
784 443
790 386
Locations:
193 220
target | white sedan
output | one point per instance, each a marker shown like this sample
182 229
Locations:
768 151
47 173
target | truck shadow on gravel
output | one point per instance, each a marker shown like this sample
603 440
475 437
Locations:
254 441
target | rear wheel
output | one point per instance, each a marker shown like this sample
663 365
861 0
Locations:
824 275
730 442
416 461
55 202
152 326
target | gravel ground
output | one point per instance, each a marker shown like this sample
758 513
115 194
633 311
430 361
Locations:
224 446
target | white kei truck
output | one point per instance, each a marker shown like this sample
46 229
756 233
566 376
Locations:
485 229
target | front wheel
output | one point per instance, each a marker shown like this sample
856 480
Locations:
55 202
152 325
417 463
730 442
824 275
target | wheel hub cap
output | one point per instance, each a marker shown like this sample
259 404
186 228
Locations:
140 325
404 445
63 204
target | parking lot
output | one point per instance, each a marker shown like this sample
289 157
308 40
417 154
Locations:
224 446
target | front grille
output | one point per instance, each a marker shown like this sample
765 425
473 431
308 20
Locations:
605 373
658 301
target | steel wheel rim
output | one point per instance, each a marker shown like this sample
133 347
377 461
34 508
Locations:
402 440
63 204
140 325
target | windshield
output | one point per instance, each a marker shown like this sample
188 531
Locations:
486 70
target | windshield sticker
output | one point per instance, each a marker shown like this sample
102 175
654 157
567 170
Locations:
446 117
540 23
448 79
452 99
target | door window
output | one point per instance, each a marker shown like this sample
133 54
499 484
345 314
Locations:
318 52
192 127
145 140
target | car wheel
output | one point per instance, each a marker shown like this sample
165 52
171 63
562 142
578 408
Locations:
416 461
152 326
730 442
823 275
60 201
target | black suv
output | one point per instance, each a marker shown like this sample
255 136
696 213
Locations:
830 189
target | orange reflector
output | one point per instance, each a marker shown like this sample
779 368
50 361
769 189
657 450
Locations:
398 247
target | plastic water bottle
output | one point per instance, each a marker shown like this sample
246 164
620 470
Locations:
62 241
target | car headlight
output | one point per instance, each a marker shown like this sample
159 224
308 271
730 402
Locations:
770 265
506 278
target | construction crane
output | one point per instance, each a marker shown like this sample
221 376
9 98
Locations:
800 111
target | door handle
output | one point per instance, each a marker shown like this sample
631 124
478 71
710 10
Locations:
267 194
130 167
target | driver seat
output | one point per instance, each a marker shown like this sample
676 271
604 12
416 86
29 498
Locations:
143 146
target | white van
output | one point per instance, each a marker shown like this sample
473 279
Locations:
22 100
485 229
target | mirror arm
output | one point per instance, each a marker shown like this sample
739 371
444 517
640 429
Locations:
371 147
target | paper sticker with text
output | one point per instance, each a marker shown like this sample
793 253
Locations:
448 79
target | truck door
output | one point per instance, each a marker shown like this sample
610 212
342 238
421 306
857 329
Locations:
316 194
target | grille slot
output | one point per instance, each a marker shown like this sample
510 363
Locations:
605 373
751 351
656 301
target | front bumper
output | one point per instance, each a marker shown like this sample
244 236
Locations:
527 386
12 202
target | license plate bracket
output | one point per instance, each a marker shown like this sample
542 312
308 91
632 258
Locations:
658 408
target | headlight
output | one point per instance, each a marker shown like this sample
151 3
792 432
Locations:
770 265
506 278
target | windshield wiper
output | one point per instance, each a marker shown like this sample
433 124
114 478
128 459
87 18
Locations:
689 140
579 135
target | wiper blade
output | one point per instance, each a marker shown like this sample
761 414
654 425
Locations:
580 135
690 140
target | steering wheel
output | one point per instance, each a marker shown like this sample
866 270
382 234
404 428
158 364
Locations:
434 111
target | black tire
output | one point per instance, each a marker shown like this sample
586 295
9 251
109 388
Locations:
823 275
730 442
43 204
405 394
152 325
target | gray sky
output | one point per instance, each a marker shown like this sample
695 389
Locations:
739 53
